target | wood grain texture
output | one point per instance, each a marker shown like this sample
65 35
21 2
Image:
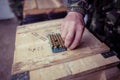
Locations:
46 4
33 7
61 72
30 4
82 69
33 50
52 73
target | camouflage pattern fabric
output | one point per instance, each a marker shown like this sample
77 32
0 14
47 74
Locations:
103 19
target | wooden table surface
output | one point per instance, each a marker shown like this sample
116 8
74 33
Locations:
32 7
33 52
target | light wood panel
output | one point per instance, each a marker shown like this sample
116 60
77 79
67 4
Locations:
33 7
88 68
33 50
30 4
46 4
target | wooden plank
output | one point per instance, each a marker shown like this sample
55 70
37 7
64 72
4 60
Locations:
93 76
90 64
33 50
51 73
35 75
33 7
59 72
30 4
81 69
45 4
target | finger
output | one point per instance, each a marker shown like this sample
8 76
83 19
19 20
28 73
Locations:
69 37
62 26
77 39
65 31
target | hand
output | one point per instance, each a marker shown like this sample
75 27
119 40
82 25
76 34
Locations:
72 29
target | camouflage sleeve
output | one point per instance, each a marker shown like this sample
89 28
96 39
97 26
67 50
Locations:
80 6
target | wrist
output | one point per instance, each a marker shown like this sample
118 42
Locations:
79 6
76 9
79 15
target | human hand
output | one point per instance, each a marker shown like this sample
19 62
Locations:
72 29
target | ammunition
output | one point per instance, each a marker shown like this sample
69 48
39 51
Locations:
57 43
60 44
61 40
52 41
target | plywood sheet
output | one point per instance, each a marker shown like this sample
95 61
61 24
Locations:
81 69
30 4
33 50
45 4
34 7
51 73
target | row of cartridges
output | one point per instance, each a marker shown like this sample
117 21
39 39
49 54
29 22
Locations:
57 43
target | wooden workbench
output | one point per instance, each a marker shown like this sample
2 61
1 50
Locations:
33 7
33 53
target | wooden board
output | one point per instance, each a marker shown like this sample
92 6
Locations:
46 4
81 69
33 50
30 4
32 7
